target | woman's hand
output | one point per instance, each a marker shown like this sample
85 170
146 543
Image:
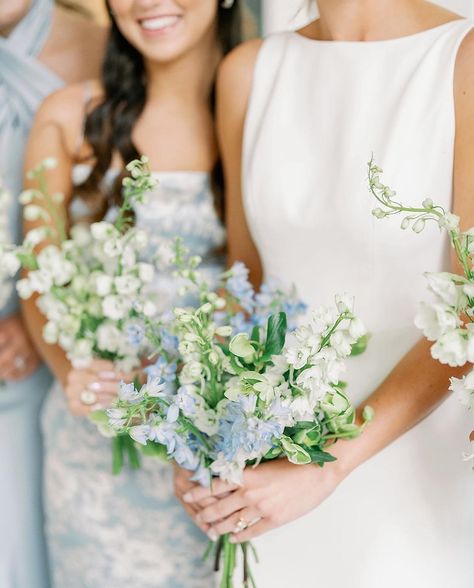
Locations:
93 388
18 357
182 486
273 494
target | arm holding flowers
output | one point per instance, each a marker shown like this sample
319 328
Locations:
278 492
54 136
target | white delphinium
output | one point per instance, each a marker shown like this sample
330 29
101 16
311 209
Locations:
464 389
448 320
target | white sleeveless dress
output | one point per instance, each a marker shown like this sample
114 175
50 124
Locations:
317 111
129 530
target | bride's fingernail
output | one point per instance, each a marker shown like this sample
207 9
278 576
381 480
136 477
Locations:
107 375
188 497
95 386
232 539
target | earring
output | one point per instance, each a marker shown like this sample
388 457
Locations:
227 3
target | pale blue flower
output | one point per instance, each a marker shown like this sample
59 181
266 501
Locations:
202 476
239 286
128 393
165 434
162 369
185 457
186 401
135 334
172 413
140 433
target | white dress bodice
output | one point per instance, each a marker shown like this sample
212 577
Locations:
317 112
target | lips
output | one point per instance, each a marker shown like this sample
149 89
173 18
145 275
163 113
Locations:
159 23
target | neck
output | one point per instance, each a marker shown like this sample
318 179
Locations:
189 77
372 20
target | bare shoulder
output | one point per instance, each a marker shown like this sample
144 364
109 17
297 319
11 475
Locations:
235 75
238 66
465 59
64 110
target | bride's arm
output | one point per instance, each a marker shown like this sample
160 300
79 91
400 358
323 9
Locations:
280 492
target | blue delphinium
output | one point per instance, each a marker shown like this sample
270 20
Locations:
240 430
239 287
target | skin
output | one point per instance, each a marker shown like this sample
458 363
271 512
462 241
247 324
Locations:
278 492
180 68
73 51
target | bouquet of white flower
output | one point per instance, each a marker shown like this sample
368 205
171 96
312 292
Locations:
231 389
448 321
92 286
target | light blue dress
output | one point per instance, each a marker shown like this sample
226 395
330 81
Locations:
24 83
128 531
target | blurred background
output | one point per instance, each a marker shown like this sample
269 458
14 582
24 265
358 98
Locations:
266 16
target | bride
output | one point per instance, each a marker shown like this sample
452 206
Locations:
299 115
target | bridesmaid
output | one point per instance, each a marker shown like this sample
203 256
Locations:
155 97
41 46
303 111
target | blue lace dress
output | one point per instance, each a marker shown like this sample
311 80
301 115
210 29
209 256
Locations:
128 531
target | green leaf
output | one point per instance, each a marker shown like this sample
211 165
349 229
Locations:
132 453
320 456
117 455
99 417
295 453
276 333
360 345
152 449
255 336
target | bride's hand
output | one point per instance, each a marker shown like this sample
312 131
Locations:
273 494
182 486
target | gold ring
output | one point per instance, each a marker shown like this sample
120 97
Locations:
240 526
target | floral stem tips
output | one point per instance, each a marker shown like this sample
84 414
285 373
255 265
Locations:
448 321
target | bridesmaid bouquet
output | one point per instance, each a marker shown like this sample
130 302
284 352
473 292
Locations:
235 384
92 287
448 321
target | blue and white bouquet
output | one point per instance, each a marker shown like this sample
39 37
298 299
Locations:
448 320
235 385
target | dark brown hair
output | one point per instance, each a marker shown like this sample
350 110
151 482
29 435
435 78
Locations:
109 126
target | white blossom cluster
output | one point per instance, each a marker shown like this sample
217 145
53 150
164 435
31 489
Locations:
92 286
448 320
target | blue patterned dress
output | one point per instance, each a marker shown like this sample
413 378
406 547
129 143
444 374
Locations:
128 531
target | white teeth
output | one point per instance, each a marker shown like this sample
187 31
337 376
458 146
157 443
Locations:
161 22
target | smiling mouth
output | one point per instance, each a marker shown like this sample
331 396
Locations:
159 23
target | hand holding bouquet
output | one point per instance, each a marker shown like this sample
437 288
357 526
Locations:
230 390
